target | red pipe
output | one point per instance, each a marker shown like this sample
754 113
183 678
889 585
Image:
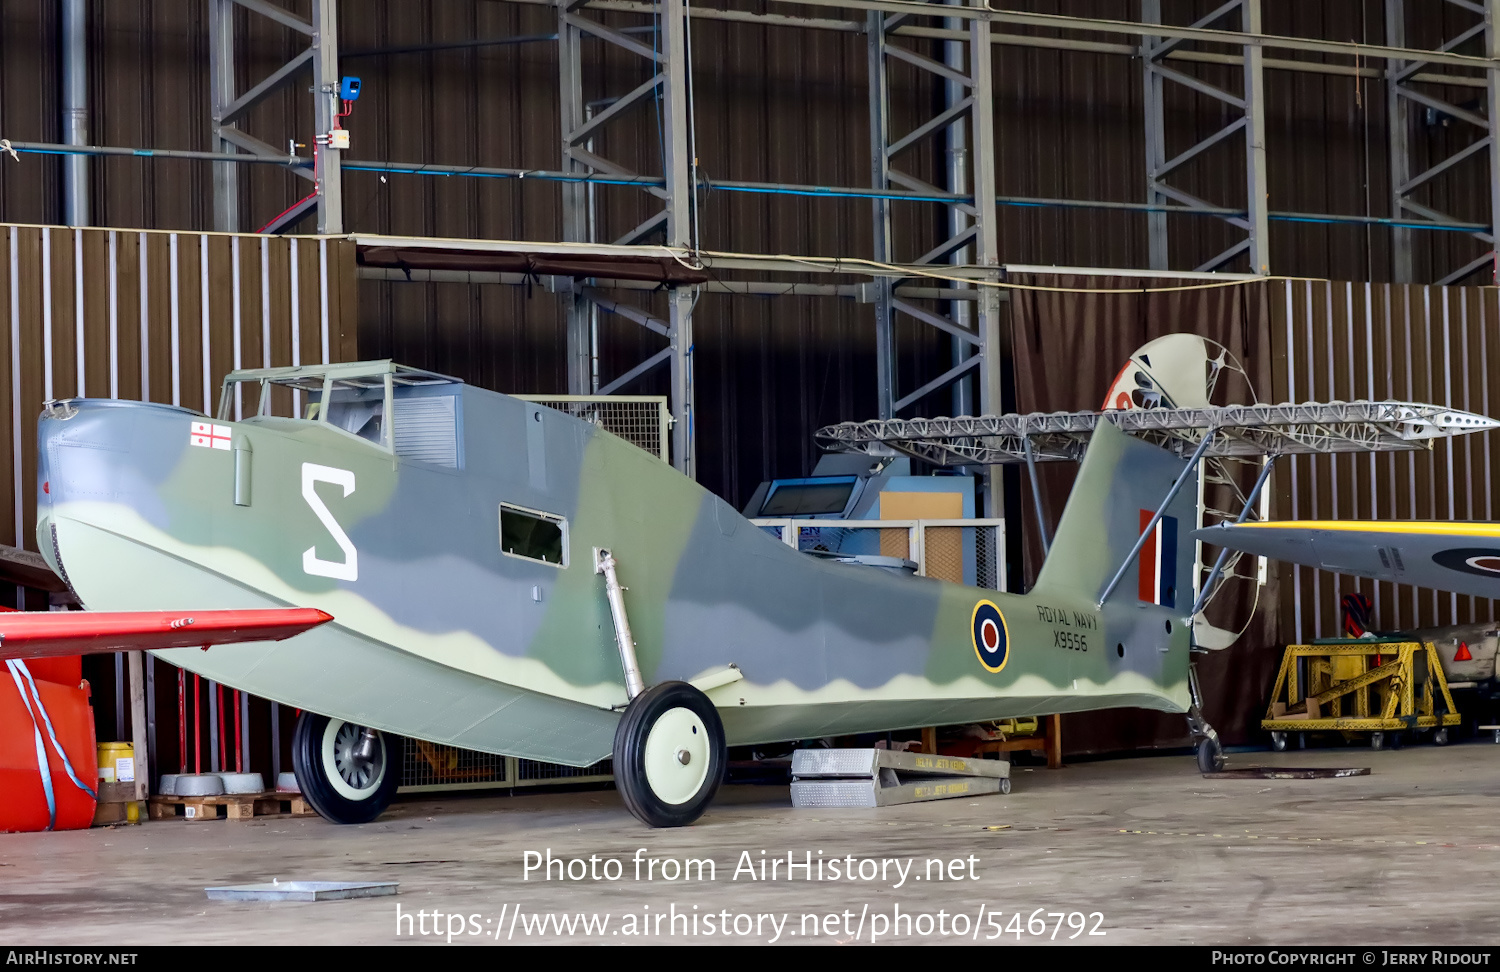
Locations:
181 721
197 726
239 761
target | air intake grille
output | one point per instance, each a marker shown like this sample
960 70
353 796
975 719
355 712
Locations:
426 430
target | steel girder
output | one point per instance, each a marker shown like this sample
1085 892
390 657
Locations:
665 52
966 125
1248 128
1411 94
230 106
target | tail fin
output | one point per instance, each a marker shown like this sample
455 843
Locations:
1121 483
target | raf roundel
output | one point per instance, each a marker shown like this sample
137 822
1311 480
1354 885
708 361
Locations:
991 639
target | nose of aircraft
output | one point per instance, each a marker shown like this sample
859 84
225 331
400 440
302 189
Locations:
103 451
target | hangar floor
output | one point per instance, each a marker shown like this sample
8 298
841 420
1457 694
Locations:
1164 855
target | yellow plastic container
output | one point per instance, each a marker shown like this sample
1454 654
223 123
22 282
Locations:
116 762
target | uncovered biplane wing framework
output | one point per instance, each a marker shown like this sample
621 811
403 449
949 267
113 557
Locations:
1238 431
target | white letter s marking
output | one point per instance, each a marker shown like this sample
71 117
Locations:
349 569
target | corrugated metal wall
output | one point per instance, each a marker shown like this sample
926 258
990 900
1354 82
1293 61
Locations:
161 317
1299 340
1345 341
152 316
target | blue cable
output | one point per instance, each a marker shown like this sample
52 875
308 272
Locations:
52 733
41 749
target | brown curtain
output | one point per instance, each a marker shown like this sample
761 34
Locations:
1068 345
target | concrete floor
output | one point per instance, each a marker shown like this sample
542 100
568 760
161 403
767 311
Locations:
1404 856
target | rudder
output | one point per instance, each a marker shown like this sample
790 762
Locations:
1121 483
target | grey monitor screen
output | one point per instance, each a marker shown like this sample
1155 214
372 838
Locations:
808 497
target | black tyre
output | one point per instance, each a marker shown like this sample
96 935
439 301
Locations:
340 785
670 755
1440 737
1210 756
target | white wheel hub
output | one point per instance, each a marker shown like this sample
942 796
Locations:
676 756
350 776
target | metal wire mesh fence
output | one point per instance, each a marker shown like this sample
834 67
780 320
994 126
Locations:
532 773
641 420
429 767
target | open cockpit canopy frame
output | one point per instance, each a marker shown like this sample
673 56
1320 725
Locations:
362 398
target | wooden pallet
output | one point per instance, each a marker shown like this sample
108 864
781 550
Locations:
233 806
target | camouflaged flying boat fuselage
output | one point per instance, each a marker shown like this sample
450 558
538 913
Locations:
441 635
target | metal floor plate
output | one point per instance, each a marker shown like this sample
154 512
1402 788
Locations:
303 891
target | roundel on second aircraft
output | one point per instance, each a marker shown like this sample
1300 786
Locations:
1483 561
991 639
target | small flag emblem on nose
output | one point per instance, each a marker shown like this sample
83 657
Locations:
209 436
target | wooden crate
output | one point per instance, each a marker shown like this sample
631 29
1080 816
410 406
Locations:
233 806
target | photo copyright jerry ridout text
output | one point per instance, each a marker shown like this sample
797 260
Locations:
514 923
1366 958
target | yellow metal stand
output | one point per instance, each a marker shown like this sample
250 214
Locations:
1361 686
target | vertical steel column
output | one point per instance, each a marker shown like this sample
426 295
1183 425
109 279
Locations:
326 101
1492 104
75 110
221 96
677 173
1397 122
957 57
986 240
575 226
885 336
680 320
1156 142
1256 186
1415 170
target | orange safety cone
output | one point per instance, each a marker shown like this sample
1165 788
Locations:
1463 652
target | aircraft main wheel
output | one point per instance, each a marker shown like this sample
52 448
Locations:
1210 756
669 755
1278 742
343 783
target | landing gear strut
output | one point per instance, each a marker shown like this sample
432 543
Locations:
1206 745
670 751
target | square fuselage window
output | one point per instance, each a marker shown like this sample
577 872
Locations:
533 535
